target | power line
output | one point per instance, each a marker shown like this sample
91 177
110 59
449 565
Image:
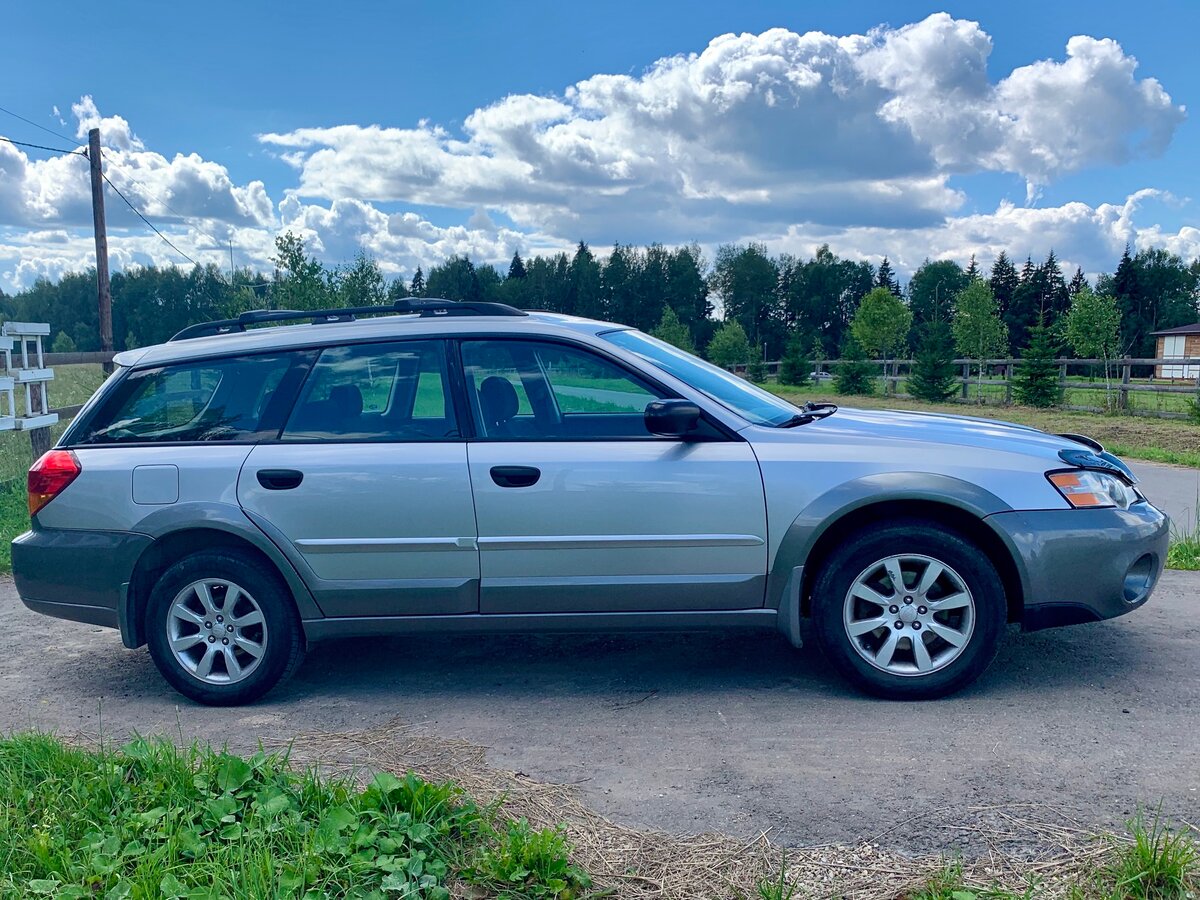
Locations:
36 125
138 213
40 147
142 185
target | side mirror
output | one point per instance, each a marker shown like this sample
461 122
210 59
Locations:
672 418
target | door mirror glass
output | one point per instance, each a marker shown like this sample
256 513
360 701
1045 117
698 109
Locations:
672 418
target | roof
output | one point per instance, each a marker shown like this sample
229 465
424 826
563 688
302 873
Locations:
1194 328
291 336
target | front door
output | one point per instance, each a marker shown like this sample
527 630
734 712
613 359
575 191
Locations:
368 488
581 509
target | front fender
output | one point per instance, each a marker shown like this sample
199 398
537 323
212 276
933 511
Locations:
826 510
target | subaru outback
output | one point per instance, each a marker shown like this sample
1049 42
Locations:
259 484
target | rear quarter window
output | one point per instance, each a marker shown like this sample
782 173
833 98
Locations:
220 400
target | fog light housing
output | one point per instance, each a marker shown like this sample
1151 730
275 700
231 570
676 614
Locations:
1139 578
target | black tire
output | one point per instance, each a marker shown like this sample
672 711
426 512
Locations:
283 636
842 569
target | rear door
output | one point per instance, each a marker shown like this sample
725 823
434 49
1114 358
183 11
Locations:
581 509
368 488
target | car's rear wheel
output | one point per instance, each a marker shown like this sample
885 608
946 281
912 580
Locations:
222 629
909 611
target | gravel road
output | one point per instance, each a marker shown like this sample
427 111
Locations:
694 732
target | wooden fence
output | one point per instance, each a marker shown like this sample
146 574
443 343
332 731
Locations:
998 375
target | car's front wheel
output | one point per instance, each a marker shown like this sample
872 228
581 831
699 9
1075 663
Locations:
222 629
909 611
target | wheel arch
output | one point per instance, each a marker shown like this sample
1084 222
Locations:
851 507
173 540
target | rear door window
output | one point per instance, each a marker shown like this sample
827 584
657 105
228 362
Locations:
232 399
396 391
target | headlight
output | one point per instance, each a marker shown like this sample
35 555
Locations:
1085 489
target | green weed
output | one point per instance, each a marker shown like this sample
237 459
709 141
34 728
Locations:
1160 864
152 820
778 888
524 863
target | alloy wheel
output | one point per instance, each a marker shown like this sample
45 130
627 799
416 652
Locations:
909 614
216 631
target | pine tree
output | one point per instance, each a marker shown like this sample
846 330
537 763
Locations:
934 375
1003 282
1078 282
1055 299
973 269
886 278
417 287
1035 381
516 269
795 367
854 374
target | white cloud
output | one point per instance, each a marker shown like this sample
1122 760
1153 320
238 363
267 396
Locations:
760 131
57 192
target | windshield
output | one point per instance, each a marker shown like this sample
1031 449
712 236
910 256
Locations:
750 402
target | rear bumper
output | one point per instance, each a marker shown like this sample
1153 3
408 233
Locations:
1083 565
78 575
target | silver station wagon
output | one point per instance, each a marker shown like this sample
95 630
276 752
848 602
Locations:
260 483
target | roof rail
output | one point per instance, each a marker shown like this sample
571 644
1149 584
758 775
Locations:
424 307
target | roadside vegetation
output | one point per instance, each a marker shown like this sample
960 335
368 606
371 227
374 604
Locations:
150 820
1157 440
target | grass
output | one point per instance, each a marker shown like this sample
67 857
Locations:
1184 552
151 820
1157 440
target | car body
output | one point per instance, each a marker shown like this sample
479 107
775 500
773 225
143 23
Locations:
237 493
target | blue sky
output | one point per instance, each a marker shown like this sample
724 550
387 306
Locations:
208 82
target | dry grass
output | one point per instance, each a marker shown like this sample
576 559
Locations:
646 865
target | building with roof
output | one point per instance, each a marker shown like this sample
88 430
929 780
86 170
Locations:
1177 343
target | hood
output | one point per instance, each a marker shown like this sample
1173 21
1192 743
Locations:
861 426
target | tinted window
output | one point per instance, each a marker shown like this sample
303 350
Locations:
376 392
231 399
542 391
750 402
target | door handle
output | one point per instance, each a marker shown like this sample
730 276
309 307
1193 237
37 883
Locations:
280 479
515 476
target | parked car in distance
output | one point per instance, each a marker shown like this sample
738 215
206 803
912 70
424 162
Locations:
240 492
820 376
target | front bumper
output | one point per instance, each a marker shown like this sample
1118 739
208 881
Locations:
77 575
1083 565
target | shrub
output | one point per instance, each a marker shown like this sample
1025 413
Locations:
795 366
854 373
934 375
1035 381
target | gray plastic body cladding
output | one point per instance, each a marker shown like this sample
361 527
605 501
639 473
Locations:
582 623
1076 559
231 520
827 509
75 575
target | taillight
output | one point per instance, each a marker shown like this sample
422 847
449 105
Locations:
49 476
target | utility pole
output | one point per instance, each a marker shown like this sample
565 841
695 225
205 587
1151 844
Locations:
104 295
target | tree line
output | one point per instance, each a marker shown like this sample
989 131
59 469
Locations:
782 304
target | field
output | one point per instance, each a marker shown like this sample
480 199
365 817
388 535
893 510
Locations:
1157 440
